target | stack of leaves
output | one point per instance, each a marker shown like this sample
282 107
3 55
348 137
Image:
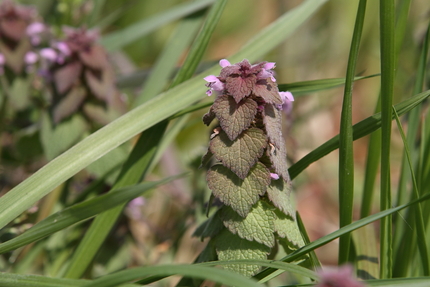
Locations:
249 173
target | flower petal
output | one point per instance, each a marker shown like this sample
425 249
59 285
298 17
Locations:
224 63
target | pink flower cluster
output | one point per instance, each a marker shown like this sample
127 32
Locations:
246 79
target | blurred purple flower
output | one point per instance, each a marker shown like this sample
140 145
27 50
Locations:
34 31
339 277
134 208
30 58
2 61
287 104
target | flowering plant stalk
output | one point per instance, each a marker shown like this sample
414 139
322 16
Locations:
249 174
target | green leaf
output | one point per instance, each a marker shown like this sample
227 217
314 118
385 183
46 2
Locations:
346 153
273 123
278 193
234 117
20 93
242 154
195 271
240 194
257 226
287 229
232 247
119 39
306 87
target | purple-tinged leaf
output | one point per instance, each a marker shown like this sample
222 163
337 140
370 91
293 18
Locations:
209 117
234 117
239 155
240 87
258 225
272 120
239 194
278 158
268 90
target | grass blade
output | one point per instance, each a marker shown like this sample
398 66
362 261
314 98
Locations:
217 275
388 58
168 59
346 152
418 212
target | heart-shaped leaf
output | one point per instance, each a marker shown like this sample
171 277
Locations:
234 117
278 193
288 231
239 155
232 247
239 194
257 226
268 90
240 87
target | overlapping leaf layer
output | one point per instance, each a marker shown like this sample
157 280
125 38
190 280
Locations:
247 169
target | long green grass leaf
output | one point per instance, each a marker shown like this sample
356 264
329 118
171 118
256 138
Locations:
118 39
361 129
388 57
77 213
306 87
216 275
346 152
403 240
131 173
418 212
166 63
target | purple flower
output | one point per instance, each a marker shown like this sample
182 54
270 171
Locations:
287 104
34 30
224 63
134 208
30 58
214 84
274 176
340 277
49 54
2 62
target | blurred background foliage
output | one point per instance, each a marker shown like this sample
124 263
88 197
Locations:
157 229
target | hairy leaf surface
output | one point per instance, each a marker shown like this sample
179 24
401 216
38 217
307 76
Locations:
231 247
257 226
273 122
234 117
286 227
242 154
268 90
240 194
278 193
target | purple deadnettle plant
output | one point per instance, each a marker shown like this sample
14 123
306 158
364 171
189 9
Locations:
82 77
248 170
